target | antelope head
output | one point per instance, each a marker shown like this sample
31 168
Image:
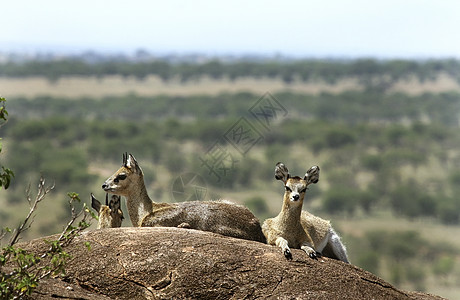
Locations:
110 214
127 176
295 187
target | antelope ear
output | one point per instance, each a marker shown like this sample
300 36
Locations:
130 161
312 175
132 164
125 159
95 203
281 172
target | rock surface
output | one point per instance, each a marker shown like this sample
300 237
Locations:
175 263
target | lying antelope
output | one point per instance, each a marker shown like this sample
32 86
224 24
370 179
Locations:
300 229
221 217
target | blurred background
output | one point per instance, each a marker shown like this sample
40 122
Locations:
210 95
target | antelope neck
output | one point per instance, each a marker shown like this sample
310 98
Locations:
138 202
290 214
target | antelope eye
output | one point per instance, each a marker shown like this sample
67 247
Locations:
121 177
303 190
288 189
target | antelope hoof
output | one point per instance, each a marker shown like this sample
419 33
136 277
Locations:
313 255
288 254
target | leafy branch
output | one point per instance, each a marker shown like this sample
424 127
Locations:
21 271
3 112
5 174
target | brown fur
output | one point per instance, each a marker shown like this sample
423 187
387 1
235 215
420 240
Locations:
285 230
296 228
300 229
110 214
216 216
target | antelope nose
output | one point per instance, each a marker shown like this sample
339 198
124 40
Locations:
104 186
296 197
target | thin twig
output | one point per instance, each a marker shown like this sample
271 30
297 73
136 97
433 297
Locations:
42 192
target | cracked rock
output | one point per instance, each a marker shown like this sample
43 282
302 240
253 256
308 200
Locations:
179 263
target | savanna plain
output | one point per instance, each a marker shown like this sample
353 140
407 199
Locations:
386 135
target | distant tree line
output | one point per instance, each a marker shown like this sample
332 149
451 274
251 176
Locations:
367 70
349 107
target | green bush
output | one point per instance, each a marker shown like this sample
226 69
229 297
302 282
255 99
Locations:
370 261
448 210
373 162
258 206
410 200
396 255
444 265
340 200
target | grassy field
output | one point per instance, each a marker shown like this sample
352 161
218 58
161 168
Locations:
441 235
351 228
77 87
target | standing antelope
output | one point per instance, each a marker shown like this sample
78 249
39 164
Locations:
110 214
300 229
221 217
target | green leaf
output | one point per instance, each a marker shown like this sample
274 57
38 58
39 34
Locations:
5 177
88 245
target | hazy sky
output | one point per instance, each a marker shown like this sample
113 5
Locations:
327 28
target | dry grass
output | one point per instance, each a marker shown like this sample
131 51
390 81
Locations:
76 87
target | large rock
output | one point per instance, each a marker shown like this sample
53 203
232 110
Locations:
174 263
